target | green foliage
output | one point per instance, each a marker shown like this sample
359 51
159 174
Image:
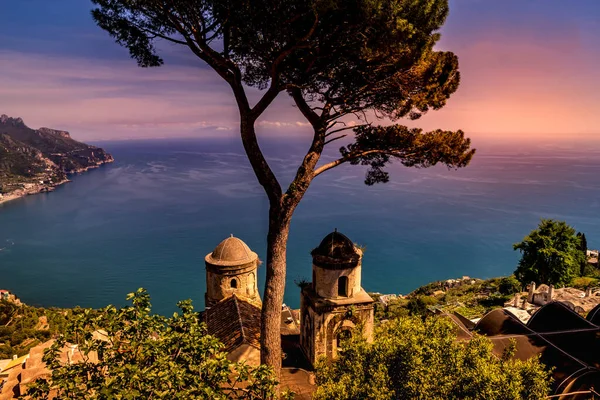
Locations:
395 308
591 271
469 311
331 61
472 300
418 305
550 254
130 353
302 282
25 153
583 248
509 285
336 57
415 359
354 54
375 146
428 289
20 327
584 282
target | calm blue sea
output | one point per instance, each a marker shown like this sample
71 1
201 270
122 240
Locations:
149 219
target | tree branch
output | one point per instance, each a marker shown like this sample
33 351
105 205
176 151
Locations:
355 156
305 109
339 130
160 35
334 139
265 100
232 75
274 88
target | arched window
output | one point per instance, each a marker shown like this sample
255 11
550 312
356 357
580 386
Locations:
233 284
343 286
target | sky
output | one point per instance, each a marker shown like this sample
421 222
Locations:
530 69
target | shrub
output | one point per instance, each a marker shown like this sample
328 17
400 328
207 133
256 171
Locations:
415 359
509 285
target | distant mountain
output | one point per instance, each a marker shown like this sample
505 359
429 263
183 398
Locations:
34 160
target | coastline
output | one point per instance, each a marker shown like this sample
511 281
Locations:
37 188
45 188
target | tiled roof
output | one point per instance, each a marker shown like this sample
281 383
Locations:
234 322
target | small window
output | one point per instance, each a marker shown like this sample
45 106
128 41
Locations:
343 286
233 283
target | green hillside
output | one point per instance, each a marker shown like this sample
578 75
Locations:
41 156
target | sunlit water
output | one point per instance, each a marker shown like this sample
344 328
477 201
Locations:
149 219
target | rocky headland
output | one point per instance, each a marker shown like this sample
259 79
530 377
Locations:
38 160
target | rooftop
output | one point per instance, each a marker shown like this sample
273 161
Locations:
562 338
234 322
231 252
336 251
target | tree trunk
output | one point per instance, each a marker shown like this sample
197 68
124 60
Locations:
281 208
279 227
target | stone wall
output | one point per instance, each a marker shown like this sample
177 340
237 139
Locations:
224 282
320 327
326 280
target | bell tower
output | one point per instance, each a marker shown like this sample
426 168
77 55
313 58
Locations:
334 305
231 269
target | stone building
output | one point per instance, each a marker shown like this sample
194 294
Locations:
577 300
540 296
231 269
334 303
232 299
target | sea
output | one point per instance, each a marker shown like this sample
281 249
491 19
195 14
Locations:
149 219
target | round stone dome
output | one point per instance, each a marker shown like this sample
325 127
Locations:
231 252
337 251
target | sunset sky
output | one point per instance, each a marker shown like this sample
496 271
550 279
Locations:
530 69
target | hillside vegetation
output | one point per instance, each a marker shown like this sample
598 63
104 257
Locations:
41 156
23 327
471 298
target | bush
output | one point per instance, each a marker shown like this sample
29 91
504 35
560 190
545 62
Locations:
418 305
148 356
415 359
585 282
17 338
428 289
591 271
509 285
6 331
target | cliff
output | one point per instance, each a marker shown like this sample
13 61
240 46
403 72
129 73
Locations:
34 160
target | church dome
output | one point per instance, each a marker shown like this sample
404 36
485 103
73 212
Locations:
231 252
336 251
